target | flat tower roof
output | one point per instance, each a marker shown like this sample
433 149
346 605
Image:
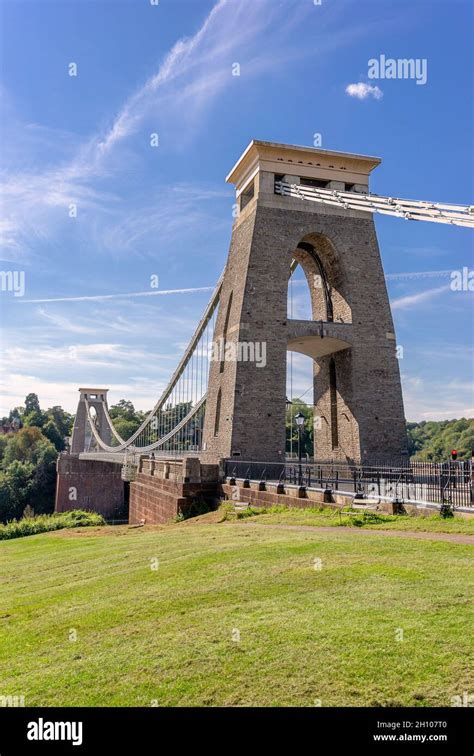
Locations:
293 158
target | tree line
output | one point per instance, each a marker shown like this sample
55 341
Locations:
28 453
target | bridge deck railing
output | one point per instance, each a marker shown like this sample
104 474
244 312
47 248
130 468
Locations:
430 482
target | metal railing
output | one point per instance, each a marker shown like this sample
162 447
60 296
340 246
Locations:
430 482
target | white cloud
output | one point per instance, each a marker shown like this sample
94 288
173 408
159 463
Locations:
413 300
362 91
184 84
177 96
14 387
426 399
125 295
418 274
92 355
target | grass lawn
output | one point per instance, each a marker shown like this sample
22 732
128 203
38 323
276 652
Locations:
168 636
327 517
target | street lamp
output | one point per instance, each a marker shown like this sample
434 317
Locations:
289 404
299 420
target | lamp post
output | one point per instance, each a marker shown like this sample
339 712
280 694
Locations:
299 420
289 404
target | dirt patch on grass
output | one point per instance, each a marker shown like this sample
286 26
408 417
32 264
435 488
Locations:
104 530
420 534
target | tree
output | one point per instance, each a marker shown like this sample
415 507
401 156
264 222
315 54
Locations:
63 420
32 404
307 434
16 414
29 474
126 428
123 409
3 446
433 441
28 458
21 446
16 485
51 431
126 418
41 495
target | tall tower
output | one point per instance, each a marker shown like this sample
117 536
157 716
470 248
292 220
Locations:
82 438
358 406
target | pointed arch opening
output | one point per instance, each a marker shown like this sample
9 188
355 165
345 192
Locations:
333 403
224 333
217 419
318 259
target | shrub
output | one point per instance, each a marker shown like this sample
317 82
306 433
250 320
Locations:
446 510
76 518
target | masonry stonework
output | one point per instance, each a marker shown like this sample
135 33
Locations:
163 490
358 408
89 484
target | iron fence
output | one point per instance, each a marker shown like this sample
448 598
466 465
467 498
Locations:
430 482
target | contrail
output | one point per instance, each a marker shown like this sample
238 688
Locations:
163 292
100 297
420 274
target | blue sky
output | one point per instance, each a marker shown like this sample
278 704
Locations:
166 210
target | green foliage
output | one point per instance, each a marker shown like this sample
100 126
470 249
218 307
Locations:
28 458
123 409
126 428
126 418
22 446
77 518
446 510
307 434
32 404
198 506
28 474
63 420
3 446
430 441
16 414
433 440
16 487
51 431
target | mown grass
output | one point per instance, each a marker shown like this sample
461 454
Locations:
327 517
166 636
76 518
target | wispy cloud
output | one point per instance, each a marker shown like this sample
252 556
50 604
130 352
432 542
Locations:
65 324
90 355
363 91
177 96
427 399
125 295
418 274
192 74
413 300
161 217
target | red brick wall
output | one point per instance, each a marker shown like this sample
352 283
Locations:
157 500
88 484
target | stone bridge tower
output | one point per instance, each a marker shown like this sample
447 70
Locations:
82 439
357 393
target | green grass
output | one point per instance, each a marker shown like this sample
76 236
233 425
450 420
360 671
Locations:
76 518
165 635
327 517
